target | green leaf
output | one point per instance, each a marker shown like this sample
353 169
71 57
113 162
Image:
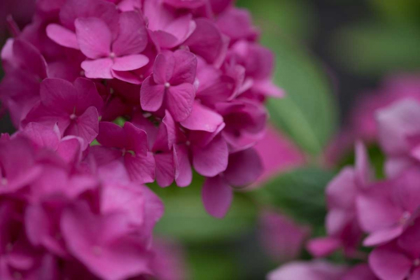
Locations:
295 18
212 262
300 194
308 114
378 48
185 218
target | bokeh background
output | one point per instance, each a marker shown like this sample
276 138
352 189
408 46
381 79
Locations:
331 55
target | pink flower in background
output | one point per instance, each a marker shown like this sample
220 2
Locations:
362 122
398 259
388 208
399 135
54 211
341 222
316 270
170 260
282 238
360 272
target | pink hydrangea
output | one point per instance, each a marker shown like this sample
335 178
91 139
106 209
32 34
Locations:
190 91
60 219
342 223
362 123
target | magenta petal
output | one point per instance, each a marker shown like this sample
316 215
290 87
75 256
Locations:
363 169
86 126
27 55
164 39
103 155
132 37
165 169
166 135
217 196
202 119
87 95
377 212
141 169
74 9
389 263
322 247
183 171
382 236
360 272
395 123
151 95
180 100
341 191
62 36
178 30
409 241
94 37
163 68
43 135
98 242
206 40
191 4
129 77
98 69
136 139
111 135
58 94
130 62
70 149
244 168
211 159
185 67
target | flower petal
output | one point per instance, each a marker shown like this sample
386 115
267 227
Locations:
211 159
62 36
217 196
202 119
151 95
94 37
244 168
130 62
132 37
389 263
180 100
98 69
183 171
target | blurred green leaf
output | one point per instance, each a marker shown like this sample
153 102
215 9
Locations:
376 49
212 263
293 18
300 194
398 10
186 219
308 113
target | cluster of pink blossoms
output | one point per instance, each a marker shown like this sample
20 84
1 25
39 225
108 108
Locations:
188 78
383 215
109 95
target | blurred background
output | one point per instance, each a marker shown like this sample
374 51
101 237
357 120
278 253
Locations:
337 60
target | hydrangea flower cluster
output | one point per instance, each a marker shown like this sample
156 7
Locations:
109 95
60 219
185 80
383 215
